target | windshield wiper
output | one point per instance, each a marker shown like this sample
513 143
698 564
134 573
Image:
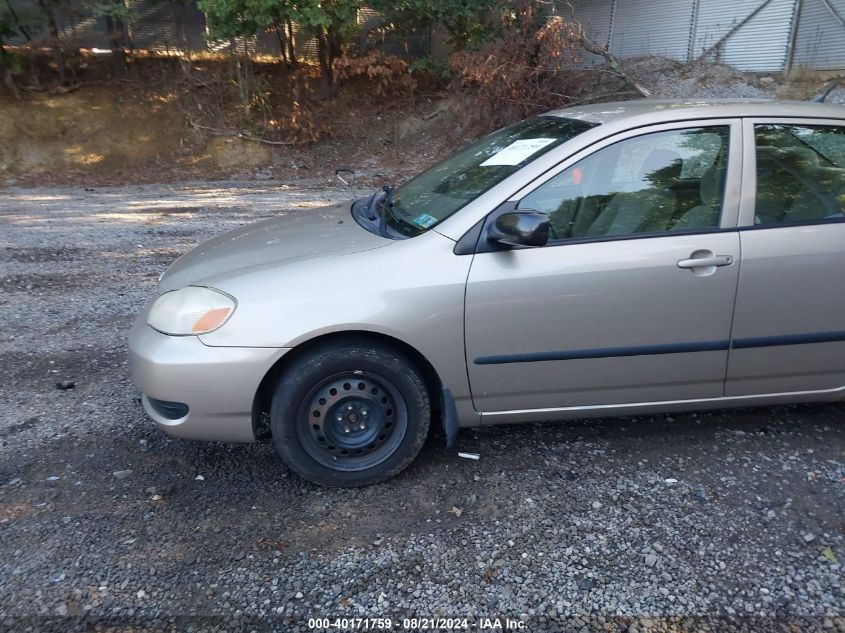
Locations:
379 198
379 209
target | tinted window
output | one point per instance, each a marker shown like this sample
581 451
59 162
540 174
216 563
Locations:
665 181
440 191
800 174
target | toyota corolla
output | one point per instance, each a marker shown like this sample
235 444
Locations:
614 259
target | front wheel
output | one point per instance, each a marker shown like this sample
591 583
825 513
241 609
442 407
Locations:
350 413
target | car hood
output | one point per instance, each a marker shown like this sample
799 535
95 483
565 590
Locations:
291 236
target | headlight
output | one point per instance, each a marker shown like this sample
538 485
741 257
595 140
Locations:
190 310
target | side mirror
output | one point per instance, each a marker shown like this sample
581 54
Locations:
520 228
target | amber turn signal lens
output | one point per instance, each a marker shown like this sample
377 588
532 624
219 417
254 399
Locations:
211 320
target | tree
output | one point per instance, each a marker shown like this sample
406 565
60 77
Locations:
466 21
50 9
24 22
230 20
241 19
332 22
278 16
117 16
9 62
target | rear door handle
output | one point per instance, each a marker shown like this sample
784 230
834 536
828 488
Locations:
705 262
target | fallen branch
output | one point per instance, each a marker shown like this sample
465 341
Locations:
610 58
56 90
435 113
826 93
238 134
613 62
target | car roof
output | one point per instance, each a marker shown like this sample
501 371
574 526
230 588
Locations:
677 109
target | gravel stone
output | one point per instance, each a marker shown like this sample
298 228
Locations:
252 547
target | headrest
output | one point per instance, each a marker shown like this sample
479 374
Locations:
711 185
662 165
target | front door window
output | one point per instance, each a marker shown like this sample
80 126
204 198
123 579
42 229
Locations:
653 183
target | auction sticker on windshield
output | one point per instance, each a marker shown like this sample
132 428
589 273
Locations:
425 220
517 151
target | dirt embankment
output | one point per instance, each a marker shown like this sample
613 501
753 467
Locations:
88 132
108 134
157 126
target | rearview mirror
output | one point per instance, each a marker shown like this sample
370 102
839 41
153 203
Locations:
520 228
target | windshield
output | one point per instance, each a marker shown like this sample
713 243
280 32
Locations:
437 193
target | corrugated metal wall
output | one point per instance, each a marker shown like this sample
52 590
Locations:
409 44
820 39
166 26
595 16
757 40
653 27
759 44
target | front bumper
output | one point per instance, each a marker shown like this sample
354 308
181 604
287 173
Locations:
218 384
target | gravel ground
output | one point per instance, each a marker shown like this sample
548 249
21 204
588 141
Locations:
717 521
669 79
837 95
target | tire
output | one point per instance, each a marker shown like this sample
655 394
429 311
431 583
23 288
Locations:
350 413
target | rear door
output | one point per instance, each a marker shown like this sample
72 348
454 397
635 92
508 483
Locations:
631 301
789 323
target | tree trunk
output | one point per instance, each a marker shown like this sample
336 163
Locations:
55 44
335 43
283 47
324 59
185 58
291 43
9 82
241 73
115 29
8 79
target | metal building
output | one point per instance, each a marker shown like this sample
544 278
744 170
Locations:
752 35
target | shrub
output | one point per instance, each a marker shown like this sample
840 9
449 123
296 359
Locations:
387 74
528 71
430 74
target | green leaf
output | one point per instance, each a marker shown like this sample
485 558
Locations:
829 555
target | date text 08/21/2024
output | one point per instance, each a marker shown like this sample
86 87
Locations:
418 624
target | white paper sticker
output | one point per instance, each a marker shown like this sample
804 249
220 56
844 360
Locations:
517 151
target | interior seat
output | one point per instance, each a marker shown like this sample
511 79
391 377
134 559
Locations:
649 209
705 214
787 188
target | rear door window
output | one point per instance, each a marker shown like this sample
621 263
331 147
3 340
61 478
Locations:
800 174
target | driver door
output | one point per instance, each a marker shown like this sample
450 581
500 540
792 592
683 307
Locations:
615 309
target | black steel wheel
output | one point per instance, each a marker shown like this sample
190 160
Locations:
352 421
350 412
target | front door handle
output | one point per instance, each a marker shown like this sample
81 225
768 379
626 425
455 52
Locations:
706 261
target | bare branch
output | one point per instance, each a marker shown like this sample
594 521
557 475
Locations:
604 51
826 93
238 134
